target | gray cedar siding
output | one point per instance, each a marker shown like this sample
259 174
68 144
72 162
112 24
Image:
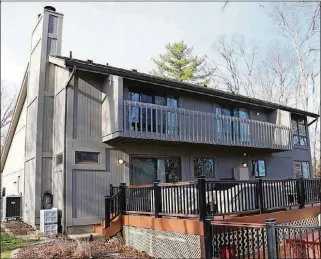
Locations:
87 184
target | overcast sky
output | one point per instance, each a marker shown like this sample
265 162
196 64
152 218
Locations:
128 35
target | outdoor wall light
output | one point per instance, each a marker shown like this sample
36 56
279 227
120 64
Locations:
245 154
244 164
257 113
120 161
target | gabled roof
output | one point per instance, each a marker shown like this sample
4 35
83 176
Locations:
134 75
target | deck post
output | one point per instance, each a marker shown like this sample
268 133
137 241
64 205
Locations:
157 199
260 195
107 212
301 193
271 238
111 190
202 197
122 206
208 239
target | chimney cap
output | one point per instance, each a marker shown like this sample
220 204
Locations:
50 8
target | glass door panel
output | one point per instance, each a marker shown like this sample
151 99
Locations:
143 170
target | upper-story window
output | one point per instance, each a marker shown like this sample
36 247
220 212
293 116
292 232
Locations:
299 129
239 130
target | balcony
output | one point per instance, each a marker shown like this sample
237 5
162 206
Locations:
156 122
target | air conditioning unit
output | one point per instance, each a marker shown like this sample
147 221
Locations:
11 207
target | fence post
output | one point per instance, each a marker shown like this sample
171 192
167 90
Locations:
122 206
302 193
208 239
260 195
271 238
157 199
107 212
202 197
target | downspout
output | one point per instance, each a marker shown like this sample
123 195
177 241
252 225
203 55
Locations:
65 149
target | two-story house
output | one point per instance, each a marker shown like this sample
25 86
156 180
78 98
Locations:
79 126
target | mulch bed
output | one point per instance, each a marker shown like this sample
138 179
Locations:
70 249
19 228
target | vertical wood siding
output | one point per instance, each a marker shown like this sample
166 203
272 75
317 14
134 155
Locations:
87 108
59 121
47 132
89 188
31 131
29 195
46 175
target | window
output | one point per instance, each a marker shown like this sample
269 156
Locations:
299 132
204 166
258 168
84 157
59 159
302 168
146 170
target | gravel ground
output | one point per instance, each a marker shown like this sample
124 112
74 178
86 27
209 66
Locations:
70 249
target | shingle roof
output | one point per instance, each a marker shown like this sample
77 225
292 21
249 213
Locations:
134 75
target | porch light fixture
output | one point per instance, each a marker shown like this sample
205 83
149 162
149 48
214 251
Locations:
257 113
244 164
245 154
120 161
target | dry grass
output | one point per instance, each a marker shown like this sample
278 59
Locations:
69 249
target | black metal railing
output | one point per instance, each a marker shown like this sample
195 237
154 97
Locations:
236 240
312 189
294 242
115 205
138 199
180 199
203 197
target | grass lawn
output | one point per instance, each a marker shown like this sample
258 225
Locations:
9 243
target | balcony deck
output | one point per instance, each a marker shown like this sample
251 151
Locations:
161 123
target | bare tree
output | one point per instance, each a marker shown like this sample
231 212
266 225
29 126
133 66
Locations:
300 24
234 65
7 110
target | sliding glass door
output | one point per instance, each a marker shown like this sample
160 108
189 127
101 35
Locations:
147 170
234 130
166 120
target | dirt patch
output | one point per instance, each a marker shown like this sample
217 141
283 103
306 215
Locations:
18 228
70 249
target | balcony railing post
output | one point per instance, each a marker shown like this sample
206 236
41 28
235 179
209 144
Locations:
157 199
202 197
271 238
122 199
260 195
301 193
107 211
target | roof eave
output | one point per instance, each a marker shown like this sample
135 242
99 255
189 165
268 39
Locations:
97 68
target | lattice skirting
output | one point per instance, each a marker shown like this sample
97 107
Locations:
244 242
163 244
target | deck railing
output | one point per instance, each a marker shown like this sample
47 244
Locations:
150 121
270 240
202 197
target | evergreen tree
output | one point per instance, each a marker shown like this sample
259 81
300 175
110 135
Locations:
180 64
